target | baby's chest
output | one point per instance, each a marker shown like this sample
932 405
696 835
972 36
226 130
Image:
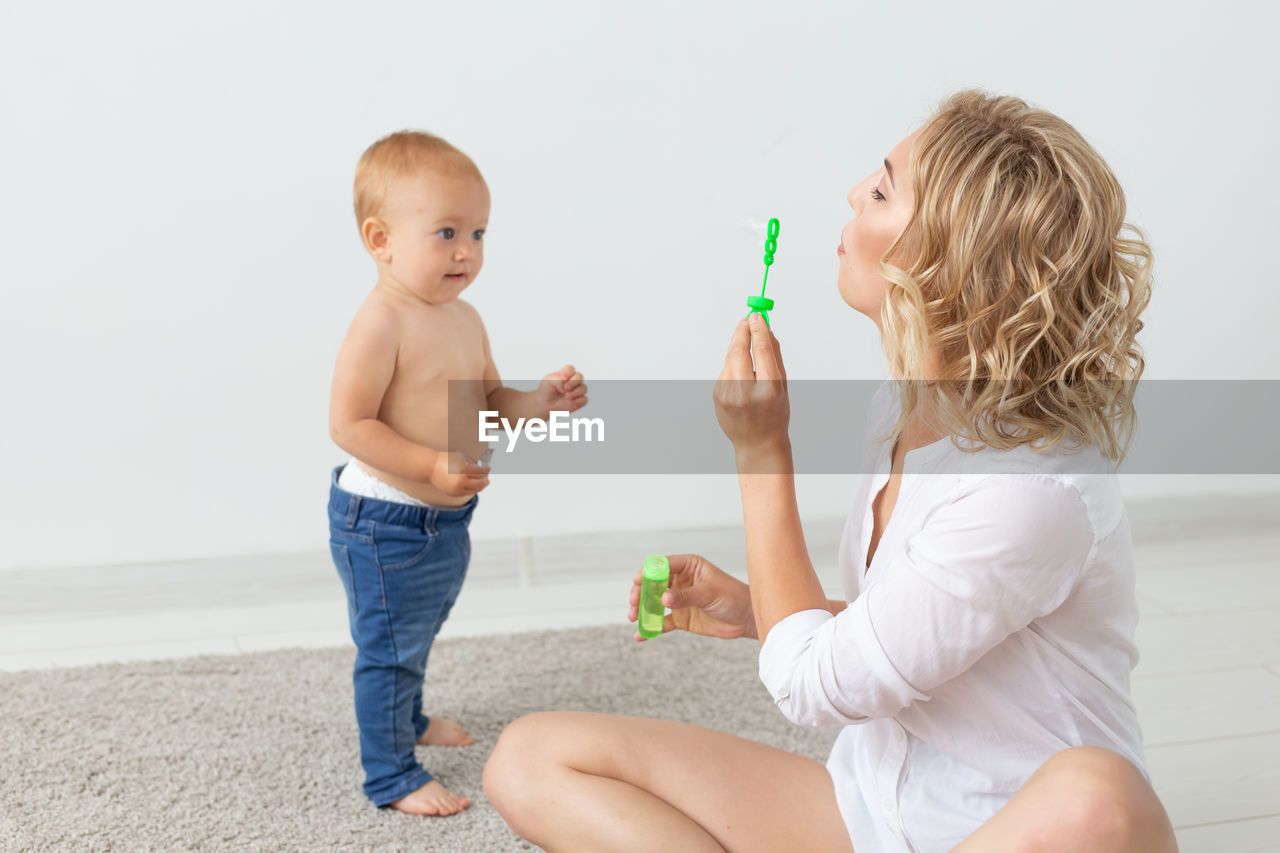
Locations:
441 349
435 364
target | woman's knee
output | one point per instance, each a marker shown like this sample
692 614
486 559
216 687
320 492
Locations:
518 766
1104 802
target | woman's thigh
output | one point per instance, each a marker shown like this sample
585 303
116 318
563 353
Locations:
746 795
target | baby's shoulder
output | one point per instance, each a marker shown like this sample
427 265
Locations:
379 307
377 316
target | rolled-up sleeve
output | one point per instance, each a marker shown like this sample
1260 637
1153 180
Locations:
1007 550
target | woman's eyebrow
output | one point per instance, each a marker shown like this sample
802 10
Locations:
889 169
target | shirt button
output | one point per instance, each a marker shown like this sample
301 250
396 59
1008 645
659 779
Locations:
897 735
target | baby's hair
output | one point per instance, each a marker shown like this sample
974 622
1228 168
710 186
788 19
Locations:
404 154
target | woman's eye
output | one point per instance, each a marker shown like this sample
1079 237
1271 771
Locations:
876 194
446 233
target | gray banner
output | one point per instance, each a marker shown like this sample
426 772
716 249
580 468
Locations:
669 427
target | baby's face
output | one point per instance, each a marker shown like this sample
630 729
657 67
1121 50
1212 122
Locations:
435 234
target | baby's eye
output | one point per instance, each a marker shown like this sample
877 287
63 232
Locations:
876 194
478 234
446 233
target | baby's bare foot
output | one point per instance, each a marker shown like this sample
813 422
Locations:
442 732
432 799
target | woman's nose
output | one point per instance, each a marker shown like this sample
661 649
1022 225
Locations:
858 195
857 198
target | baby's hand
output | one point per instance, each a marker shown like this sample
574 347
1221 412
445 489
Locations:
456 474
562 391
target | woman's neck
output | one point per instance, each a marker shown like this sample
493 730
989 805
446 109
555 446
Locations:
922 426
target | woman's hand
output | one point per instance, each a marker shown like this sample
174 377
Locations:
752 404
703 600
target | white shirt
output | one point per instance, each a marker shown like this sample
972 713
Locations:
993 629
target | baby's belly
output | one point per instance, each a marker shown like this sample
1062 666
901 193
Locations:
443 424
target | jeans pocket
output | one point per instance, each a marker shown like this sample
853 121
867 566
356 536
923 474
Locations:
342 562
396 548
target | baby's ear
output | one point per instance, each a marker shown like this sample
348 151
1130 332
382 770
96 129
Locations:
374 233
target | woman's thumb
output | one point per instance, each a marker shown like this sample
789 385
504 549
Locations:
684 597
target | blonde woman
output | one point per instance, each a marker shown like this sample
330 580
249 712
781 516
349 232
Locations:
981 664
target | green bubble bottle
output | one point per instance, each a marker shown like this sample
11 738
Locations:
653 583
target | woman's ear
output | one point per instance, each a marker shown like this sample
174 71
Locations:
374 233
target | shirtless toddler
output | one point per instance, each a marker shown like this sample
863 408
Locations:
399 510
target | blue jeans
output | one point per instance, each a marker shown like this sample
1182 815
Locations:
402 567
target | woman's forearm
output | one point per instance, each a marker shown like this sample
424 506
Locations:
782 579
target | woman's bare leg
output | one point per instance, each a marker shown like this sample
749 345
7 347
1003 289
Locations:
1085 800
572 781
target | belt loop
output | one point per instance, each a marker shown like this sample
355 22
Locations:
353 511
429 519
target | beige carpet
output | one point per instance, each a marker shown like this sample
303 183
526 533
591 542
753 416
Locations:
259 751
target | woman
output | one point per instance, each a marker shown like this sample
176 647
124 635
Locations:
981 666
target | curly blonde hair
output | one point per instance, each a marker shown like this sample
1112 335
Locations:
1017 282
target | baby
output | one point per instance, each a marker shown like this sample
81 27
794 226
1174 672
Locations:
399 510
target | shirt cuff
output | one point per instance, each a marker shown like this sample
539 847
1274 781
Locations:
787 642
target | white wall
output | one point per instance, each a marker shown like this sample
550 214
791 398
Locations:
179 261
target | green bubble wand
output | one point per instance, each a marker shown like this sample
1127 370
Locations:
761 304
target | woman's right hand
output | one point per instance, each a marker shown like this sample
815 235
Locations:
703 600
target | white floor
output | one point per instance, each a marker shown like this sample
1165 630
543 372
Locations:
1207 687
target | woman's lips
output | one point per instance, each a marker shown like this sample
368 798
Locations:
840 249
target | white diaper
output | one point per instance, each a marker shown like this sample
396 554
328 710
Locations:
357 481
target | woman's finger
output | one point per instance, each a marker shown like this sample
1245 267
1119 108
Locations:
737 361
681 568
689 596
762 350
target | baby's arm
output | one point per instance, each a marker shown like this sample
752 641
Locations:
366 363
563 390
507 402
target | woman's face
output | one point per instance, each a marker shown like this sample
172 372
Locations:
881 206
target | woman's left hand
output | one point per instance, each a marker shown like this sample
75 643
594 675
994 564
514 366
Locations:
752 404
